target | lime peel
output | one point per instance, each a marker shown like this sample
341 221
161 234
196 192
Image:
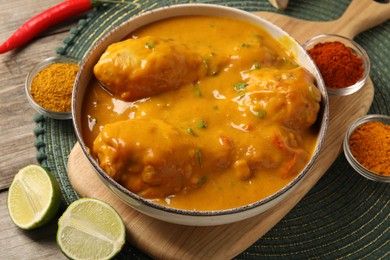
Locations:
90 229
34 197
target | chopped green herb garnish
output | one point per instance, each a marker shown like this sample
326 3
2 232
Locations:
261 114
211 67
245 45
240 85
197 91
199 155
202 124
191 131
288 61
150 45
241 94
255 66
202 180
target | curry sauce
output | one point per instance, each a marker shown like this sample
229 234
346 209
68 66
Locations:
202 113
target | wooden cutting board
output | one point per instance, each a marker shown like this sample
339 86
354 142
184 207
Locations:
170 241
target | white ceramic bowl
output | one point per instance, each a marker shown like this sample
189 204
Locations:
190 217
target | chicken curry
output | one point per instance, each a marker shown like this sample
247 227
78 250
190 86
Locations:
201 113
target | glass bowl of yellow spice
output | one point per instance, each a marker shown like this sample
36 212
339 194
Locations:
367 147
49 86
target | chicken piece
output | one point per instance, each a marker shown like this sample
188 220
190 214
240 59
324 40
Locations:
277 148
138 68
289 97
149 157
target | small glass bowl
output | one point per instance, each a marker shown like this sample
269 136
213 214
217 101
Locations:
348 154
36 69
356 49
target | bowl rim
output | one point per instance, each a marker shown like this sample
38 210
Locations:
30 76
361 53
358 167
175 11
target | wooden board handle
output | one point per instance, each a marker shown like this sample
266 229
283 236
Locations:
358 17
362 15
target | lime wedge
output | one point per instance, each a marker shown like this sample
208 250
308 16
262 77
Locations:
34 197
90 229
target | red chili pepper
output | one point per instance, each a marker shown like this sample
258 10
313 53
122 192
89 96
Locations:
44 20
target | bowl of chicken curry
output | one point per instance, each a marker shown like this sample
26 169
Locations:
200 114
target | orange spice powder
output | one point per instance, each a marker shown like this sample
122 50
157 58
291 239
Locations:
52 86
370 145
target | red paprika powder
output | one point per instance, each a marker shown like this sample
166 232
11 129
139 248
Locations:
338 65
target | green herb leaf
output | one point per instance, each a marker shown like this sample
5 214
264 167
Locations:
199 155
150 45
202 180
202 124
191 131
261 114
245 45
288 62
255 66
241 94
240 85
197 91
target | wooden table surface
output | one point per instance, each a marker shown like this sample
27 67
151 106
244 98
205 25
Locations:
16 124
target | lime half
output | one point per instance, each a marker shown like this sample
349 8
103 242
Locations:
90 229
34 197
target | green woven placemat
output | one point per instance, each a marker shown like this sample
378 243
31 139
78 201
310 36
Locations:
343 216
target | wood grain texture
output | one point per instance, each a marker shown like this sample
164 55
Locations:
170 241
16 124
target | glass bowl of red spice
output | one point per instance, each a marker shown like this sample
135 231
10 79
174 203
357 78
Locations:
49 86
343 63
367 147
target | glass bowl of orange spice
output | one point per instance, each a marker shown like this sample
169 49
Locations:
367 147
344 65
49 86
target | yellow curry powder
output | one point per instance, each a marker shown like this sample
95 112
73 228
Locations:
52 87
370 145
